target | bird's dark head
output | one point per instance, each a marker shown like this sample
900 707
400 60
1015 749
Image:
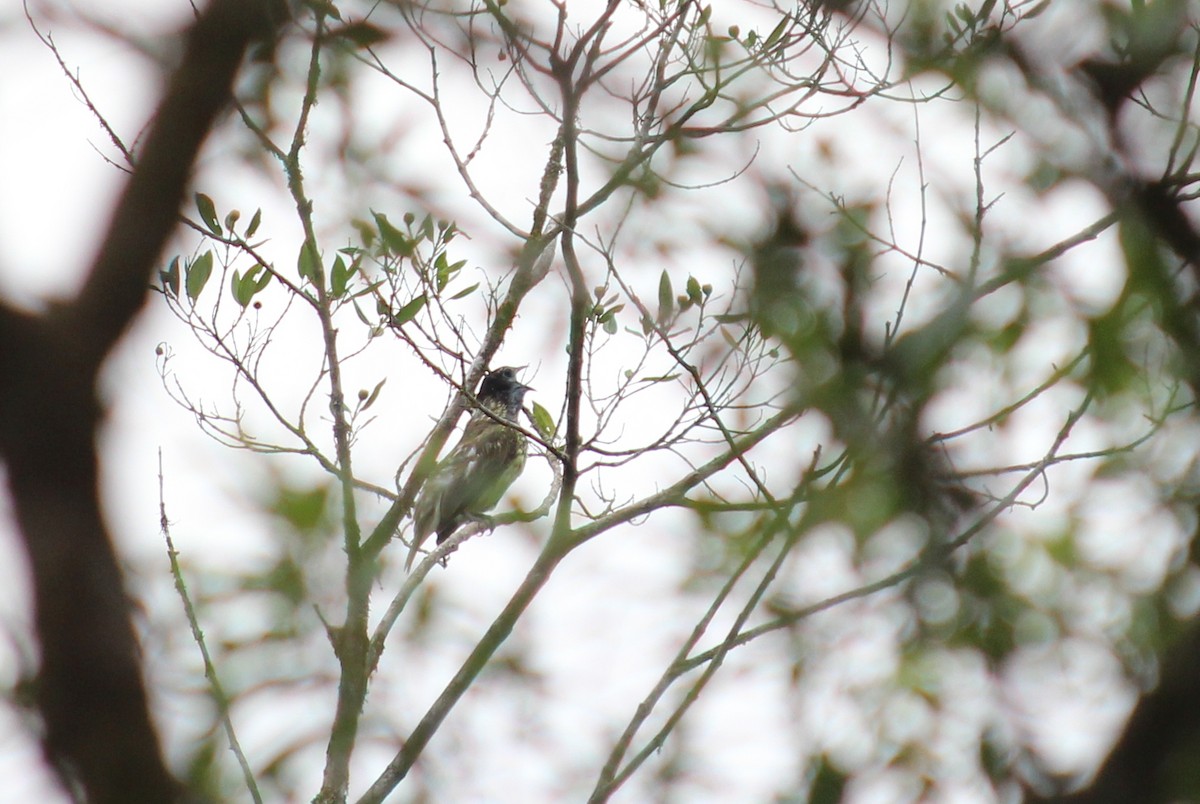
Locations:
502 388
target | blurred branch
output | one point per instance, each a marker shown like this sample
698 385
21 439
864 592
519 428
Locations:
98 730
1154 759
934 554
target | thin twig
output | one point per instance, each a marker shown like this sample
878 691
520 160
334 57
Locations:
210 669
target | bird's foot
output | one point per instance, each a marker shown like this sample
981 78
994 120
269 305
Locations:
488 522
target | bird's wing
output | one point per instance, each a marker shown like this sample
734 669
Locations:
476 473
471 479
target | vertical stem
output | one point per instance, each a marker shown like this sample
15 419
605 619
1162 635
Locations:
579 298
352 640
560 540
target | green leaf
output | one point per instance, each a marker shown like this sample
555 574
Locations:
777 34
170 277
340 276
828 783
666 298
369 289
694 294
362 34
409 311
244 288
374 394
543 421
953 25
446 270
198 273
362 316
235 289
208 212
465 292
1036 10
365 231
611 313
610 325
394 240
308 264
303 510
453 268
441 270
260 284
255 220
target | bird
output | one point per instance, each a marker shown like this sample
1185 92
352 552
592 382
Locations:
473 476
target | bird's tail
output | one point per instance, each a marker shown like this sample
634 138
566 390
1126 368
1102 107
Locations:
412 554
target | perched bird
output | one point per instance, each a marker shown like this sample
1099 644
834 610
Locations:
473 477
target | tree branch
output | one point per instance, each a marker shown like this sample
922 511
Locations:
98 730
